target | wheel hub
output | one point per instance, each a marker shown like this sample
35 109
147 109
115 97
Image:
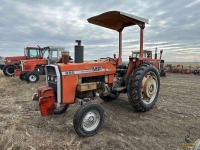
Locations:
32 78
91 120
149 87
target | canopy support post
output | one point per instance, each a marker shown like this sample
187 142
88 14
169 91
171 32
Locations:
120 49
141 41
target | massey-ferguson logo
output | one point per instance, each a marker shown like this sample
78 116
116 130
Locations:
96 68
93 69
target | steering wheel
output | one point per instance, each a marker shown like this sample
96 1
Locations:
111 60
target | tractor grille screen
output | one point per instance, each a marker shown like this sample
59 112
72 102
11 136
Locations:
54 86
52 78
27 67
51 70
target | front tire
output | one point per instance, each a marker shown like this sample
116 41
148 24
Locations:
143 87
61 110
88 119
9 70
32 77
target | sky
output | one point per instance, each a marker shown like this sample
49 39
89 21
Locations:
174 27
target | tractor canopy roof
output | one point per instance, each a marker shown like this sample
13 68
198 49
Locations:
32 47
145 51
117 20
54 48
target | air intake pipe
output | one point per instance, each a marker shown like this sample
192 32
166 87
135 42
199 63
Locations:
78 52
65 57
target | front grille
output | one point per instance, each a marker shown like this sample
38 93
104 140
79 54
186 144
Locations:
27 67
51 72
54 87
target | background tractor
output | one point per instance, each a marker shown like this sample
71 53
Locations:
107 78
31 69
197 71
12 63
157 64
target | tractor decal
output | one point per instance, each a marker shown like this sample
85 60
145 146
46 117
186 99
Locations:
93 69
96 68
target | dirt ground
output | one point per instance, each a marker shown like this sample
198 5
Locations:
164 127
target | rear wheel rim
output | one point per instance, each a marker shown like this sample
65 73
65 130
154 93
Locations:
91 120
149 87
32 78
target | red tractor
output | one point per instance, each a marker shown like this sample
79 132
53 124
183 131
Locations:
148 54
31 69
12 63
107 78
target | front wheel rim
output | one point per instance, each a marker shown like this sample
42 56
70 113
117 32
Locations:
149 87
32 78
91 120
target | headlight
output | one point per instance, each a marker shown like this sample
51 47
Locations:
48 78
9 60
51 78
55 79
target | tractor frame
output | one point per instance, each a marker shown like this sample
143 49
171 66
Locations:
107 78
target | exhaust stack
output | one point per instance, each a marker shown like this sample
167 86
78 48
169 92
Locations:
78 52
161 54
156 53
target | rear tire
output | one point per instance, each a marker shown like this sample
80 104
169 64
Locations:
88 119
143 87
32 77
9 70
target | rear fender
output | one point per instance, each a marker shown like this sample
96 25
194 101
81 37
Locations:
132 65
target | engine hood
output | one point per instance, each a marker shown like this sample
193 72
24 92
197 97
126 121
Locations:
15 58
34 60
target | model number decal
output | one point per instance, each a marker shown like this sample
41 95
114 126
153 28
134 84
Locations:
93 69
68 72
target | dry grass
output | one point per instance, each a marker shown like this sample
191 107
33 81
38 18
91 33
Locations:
164 127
